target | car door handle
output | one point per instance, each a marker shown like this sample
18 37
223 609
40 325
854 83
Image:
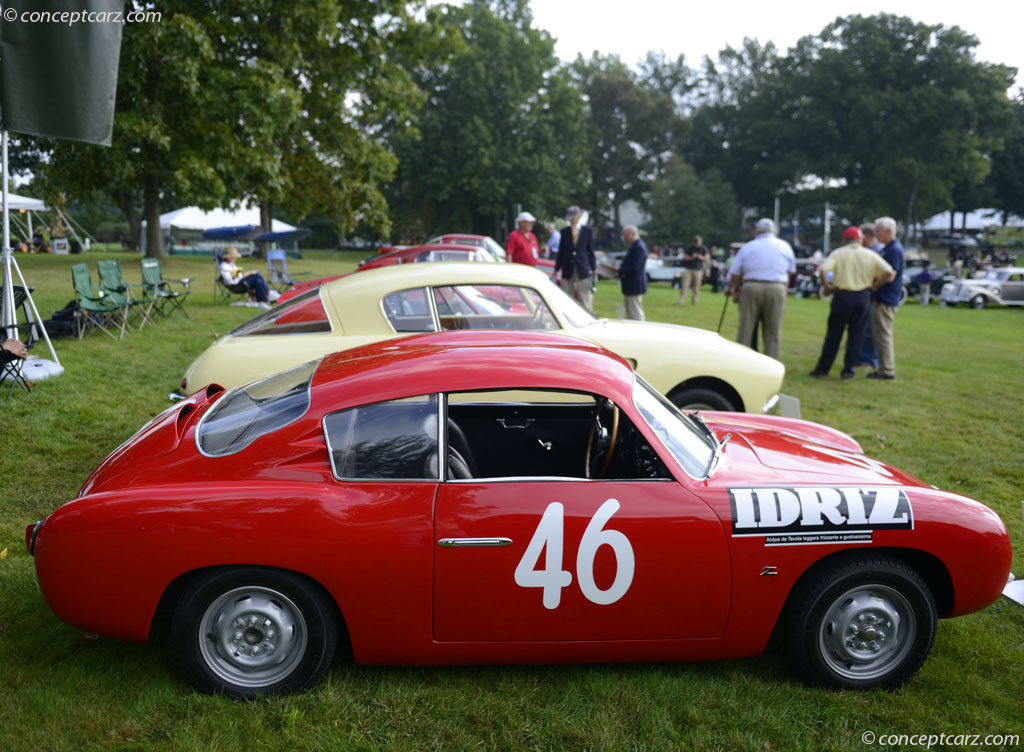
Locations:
474 542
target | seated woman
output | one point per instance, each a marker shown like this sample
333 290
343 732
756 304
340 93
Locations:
233 276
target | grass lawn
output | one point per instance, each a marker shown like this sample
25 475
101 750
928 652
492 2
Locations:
954 417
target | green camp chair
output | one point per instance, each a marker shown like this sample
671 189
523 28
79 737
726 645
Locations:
159 294
97 310
113 284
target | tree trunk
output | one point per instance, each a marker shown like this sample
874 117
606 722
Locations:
266 222
134 220
151 212
908 220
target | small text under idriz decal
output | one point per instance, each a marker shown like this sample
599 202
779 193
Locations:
818 514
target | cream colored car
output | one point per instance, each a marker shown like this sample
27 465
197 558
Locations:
694 368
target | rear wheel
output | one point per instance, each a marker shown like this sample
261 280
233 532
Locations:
251 631
864 624
700 398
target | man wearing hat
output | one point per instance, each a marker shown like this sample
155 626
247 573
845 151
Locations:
759 280
521 245
851 272
576 260
234 278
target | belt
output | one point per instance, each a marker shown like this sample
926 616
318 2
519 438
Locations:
764 281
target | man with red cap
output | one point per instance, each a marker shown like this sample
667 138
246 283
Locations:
851 273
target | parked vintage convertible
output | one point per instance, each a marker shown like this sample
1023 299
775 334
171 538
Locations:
505 497
695 368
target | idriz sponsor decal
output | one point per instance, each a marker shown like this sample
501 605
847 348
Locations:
818 515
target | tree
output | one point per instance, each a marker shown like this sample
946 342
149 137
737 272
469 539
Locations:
501 126
683 203
901 112
1007 177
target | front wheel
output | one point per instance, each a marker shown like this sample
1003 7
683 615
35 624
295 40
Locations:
868 623
251 631
978 302
700 398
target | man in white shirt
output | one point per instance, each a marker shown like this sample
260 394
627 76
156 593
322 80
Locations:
759 280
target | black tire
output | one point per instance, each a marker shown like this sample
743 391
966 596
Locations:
865 623
288 625
700 398
978 302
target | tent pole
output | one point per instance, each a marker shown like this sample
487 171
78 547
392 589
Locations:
10 321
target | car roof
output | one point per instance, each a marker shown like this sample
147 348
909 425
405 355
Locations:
468 361
386 279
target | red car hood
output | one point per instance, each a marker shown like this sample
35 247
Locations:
763 445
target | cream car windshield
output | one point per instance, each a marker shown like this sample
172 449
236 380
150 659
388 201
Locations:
303 314
568 308
690 442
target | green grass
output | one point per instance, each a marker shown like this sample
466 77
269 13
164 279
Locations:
954 417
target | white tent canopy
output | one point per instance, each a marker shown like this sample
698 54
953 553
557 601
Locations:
975 220
194 218
18 203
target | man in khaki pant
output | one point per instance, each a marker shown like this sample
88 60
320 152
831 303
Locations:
886 299
759 280
694 257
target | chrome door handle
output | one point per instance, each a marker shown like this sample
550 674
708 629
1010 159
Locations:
474 542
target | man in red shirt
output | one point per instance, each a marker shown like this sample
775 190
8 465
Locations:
521 245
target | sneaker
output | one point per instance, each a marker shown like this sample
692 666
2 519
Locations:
882 376
847 375
816 374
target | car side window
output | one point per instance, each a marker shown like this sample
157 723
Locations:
492 307
394 440
409 311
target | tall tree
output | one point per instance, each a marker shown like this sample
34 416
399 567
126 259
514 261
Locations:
1007 177
683 203
501 126
900 111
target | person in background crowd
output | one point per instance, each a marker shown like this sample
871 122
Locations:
521 245
924 284
576 260
695 256
855 272
633 274
551 245
759 279
233 276
868 356
886 299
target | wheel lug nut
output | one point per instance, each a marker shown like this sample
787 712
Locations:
236 637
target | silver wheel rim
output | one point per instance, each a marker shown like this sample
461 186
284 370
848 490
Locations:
867 632
252 636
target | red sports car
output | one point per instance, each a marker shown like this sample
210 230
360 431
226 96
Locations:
500 497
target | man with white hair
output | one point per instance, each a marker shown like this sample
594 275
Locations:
633 273
886 299
576 260
521 245
759 280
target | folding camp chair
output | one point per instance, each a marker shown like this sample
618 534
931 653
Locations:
97 309
159 295
11 368
222 291
113 284
277 270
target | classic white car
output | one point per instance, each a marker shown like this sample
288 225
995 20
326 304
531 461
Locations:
998 287
695 368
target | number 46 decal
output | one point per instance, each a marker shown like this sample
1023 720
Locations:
549 537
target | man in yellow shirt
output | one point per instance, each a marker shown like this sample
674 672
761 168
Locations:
851 273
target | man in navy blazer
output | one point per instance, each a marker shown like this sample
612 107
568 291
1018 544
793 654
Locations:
576 260
633 273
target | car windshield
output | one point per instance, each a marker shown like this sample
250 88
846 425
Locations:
691 443
244 414
569 309
303 314
996 275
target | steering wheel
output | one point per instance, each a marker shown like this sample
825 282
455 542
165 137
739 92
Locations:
601 441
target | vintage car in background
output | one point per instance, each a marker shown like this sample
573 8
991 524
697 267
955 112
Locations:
695 368
488 497
998 287
429 253
546 265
